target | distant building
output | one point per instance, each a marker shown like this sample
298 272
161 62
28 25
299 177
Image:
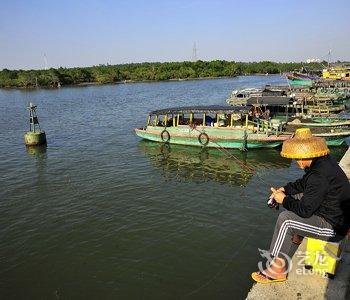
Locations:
313 60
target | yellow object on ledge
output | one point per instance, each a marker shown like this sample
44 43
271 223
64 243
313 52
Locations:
322 256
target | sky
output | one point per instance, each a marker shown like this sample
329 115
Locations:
68 33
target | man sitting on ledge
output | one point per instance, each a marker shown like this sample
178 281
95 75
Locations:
322 211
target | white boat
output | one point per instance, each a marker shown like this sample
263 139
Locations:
240 96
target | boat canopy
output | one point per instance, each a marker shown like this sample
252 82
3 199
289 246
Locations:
217 109
269 101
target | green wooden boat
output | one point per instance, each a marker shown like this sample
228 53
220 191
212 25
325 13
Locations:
334 128
300 79
210 126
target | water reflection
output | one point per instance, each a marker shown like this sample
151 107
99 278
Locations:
37 151
39 154
183 163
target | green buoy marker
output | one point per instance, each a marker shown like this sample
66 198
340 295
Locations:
35 136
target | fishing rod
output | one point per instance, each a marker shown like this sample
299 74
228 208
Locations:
271 202
230 155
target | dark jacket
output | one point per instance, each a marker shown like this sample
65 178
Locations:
326 193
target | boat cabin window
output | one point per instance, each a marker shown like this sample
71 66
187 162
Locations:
152 120
221 120
169 120
260 113
198 119
210 119
185 119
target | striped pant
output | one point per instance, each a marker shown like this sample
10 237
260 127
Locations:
290 224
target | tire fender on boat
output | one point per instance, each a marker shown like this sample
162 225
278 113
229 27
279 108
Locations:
165 136
203 139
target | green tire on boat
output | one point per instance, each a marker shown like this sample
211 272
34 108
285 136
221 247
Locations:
165 136
203 139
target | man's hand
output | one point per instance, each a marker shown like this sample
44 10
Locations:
278 195
273 190
281 189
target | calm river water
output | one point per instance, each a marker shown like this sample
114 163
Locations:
100 214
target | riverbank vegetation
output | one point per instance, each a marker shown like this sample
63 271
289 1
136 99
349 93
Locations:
140 72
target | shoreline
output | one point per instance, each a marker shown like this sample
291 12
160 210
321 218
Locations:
86 84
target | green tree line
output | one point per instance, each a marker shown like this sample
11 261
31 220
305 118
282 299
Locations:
139 72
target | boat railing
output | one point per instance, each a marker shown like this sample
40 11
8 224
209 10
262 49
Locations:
266 126
257 126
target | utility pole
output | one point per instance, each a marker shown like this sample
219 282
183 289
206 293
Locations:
194 52
329 57
45 61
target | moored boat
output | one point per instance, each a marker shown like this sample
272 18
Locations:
211 126
322 122
300 79
337 73
309 106
240 96
231 127
334 131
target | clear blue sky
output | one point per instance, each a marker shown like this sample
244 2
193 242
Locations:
85 33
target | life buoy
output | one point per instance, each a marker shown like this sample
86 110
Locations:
165 136
203 139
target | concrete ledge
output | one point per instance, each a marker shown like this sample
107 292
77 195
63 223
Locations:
339 287
345 163
303 284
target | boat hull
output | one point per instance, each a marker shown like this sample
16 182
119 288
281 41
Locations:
217 137
332 138
227 137
335 141
300 82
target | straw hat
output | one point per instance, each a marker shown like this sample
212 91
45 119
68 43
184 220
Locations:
304 145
